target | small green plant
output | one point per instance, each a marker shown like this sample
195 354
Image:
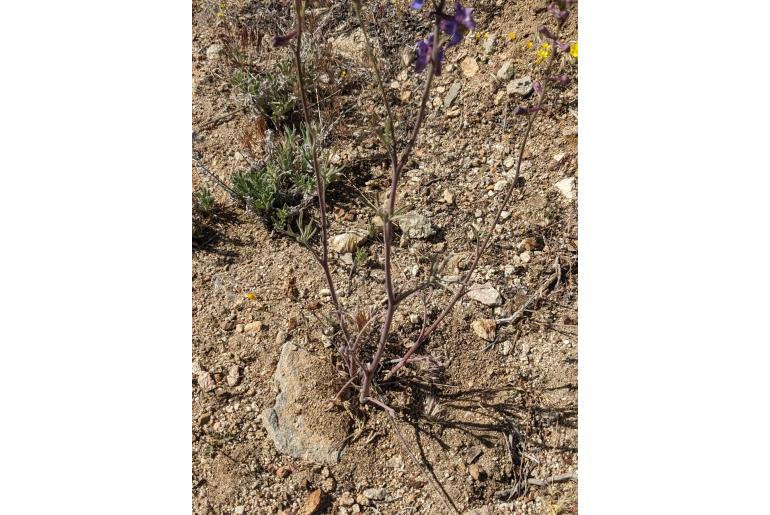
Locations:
284 180
204 201
258 187
360 257
271 95
281 218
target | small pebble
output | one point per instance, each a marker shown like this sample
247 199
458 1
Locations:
375 494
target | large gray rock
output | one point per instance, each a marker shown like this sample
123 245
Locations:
299 423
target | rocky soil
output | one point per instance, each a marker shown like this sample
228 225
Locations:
496 430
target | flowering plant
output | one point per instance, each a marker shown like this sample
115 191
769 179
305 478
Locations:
449 29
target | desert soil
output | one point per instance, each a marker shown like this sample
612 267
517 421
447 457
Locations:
503 413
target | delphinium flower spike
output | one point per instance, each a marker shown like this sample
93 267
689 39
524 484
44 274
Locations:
458 25
455 26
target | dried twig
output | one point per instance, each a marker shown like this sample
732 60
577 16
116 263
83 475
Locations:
211 175
398 163
481 248
226 117
508 493
320 184
553 278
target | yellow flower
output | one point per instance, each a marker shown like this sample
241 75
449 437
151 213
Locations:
528 45
573 50
544 52
486 35
251 296
511 36
343 74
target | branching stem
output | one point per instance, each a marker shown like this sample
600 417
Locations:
390 208
480 249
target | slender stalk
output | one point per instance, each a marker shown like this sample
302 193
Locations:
371 370
320 184
485 243
392 148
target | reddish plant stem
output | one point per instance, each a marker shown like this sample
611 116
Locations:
371 369
424 335
320 184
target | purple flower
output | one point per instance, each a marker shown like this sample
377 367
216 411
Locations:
457 26
537 87
463 16
425 55
449 26
559 81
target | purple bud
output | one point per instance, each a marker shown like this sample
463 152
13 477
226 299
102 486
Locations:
545 31
279 41
425 54
559 81
561 16
537 87
417 4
